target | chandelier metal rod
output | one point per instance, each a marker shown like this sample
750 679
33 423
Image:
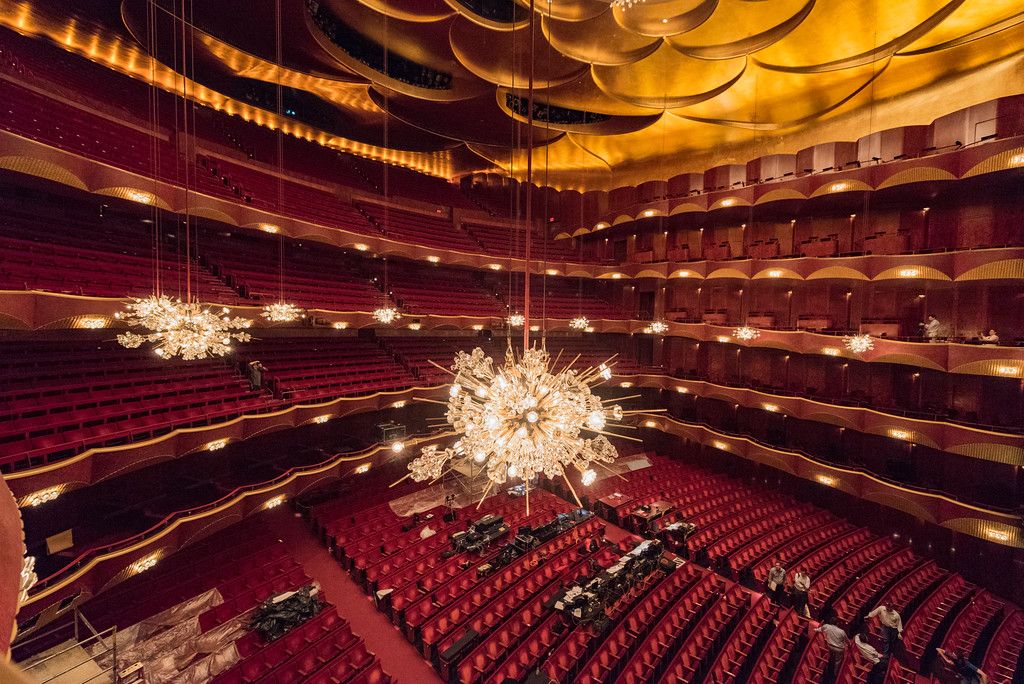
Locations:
529 184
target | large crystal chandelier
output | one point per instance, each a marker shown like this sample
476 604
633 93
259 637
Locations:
579 323
386 315
746 333
859 343
657 328
282 312
523 419
516 320
184 329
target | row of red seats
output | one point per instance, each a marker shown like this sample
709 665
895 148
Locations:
432 629
448 578
922 626
693 658
742 644
510 620
656 649
595 661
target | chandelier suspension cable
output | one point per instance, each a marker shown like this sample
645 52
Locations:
280 152
188 157
529 184
547 194
154 147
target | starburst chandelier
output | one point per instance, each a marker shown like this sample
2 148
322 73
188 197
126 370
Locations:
386 315
657 328
579 323
859 343
746 333
523 419
184 329
282 312
516 320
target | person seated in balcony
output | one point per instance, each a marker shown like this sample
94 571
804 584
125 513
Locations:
968 672
891 623
930 328
798 593
776 578
989 339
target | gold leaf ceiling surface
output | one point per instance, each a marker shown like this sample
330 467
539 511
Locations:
661 88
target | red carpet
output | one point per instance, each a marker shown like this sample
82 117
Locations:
397 655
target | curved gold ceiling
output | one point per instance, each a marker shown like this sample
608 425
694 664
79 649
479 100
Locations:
678 85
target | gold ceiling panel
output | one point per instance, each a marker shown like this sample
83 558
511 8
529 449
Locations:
569 10
762 99
412 10
600 40
739 27
502 57
422 43
668 79
583 93
972 17
665 17
845 33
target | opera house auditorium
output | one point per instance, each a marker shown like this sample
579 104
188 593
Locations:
511 341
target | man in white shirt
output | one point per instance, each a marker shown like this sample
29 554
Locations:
836 640
798 595
892 625
931 328
776 578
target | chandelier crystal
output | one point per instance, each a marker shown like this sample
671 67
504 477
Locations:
859 343
184 329
625 4
516 320
282 312
522 419
746 333
386 315
579 323
657 328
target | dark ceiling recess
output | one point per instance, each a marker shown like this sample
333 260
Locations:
546 113
502 11
373 54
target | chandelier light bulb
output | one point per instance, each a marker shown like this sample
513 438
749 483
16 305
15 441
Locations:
589 476
746 333
859 344
386 315
180 329
657 327
527 421
516 320
579 323
281 312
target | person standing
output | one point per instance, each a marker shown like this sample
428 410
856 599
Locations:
892 625
931 327
798 594
776 579
837 641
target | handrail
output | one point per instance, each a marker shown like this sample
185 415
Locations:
992 510
166 521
